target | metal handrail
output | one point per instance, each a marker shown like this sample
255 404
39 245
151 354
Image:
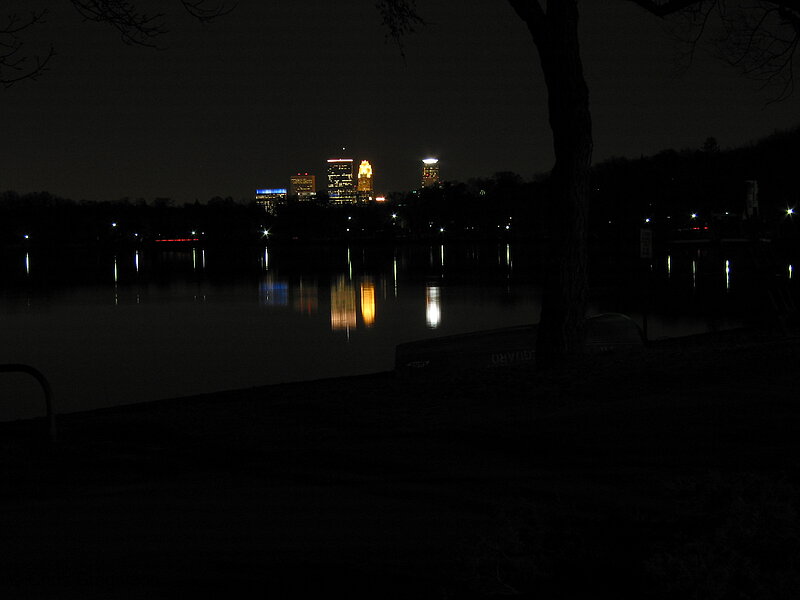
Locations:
48 392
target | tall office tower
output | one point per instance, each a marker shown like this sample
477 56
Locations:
340 181
303 185
430 172
364 186
271 199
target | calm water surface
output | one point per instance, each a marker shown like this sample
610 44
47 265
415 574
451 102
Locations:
111 329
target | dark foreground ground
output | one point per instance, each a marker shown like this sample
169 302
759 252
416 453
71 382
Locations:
668 474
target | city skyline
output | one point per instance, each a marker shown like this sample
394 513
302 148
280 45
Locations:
216 110
343 185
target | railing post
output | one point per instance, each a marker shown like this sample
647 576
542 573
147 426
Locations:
48 391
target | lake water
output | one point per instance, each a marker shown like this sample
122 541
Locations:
137 325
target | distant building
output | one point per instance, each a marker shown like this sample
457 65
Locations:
340 181
430 172
271 199
751 199
364 187
303 185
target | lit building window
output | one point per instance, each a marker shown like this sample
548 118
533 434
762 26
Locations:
430 172
303 186
271 199
365 186
341 188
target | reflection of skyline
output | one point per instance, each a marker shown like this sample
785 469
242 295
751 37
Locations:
274 292
355 281
303 297
343 305
306 298
368 302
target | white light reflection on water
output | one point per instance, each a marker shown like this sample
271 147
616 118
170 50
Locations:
694 273
791 270
441 253
433 308
194 259
116 279
140 328
727 274
508 257
394 274
203 258
669 266
161 334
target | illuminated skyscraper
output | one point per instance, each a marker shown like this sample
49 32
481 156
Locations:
271 199
340 181
430 172
364 186
303 185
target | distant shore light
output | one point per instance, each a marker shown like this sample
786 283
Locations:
430 161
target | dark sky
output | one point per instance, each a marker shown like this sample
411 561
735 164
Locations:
279 87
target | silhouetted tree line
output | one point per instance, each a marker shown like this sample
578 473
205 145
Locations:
660 192
44 219
671 186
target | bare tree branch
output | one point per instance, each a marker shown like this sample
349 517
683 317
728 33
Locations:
15 65
532 13
400 17
663 8
134 27
760 37
206 12
527 10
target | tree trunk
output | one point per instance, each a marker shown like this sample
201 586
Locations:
561 328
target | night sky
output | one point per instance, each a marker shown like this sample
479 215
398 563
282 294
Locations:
276 88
